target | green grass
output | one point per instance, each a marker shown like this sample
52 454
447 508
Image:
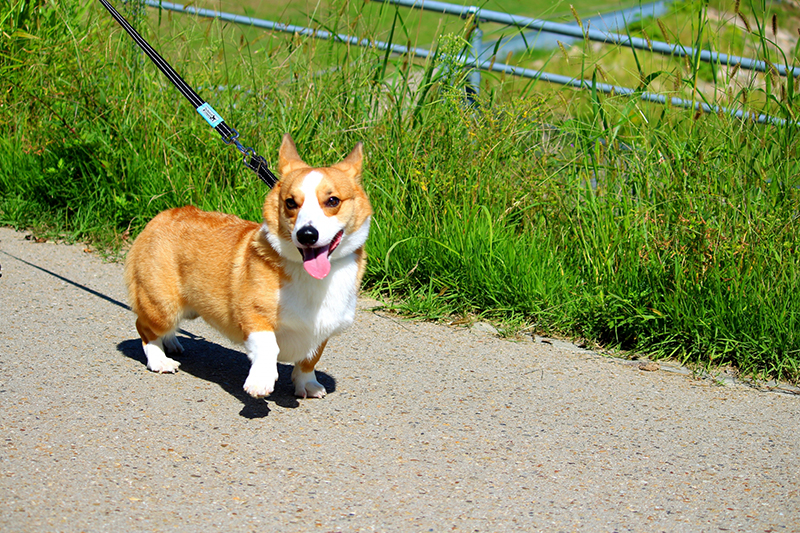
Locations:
687 247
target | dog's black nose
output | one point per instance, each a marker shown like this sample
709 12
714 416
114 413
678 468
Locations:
307 235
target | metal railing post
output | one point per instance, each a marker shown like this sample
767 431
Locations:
477 48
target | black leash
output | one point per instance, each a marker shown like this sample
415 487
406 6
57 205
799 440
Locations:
251 160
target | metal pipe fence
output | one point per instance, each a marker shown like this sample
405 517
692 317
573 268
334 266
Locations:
473 60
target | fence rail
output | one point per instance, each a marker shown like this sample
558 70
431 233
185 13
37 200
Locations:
614 21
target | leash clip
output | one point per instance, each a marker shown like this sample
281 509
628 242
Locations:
252 160
234 138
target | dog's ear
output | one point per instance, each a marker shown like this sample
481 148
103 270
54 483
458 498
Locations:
352 164
288 158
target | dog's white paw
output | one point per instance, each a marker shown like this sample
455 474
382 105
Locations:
307 386
312 389
172 344
260 383
167 366
157 361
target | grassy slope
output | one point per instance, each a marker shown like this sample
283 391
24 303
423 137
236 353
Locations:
687 247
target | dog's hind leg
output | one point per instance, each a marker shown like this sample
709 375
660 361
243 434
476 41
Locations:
153 342
305 379
172 344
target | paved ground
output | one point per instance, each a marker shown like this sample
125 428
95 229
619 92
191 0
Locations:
426 428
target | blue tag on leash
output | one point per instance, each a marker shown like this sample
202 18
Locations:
211 116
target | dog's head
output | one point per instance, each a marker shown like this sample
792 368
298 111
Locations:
317 215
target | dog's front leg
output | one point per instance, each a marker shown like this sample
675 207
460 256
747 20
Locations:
305 379
262 350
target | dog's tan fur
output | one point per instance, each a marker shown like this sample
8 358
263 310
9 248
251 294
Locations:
189 263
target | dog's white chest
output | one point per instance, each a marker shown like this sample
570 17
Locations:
311 311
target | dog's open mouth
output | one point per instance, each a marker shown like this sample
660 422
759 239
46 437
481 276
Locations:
316 260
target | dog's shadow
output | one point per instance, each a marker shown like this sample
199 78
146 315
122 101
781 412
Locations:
228 369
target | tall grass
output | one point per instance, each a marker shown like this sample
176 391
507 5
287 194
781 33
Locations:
648 228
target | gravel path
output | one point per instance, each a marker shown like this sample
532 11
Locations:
426 428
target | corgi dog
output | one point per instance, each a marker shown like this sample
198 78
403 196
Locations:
282 288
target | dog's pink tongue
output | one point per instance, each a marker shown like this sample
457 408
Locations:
315 261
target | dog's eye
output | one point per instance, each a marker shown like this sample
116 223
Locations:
332 202
291 204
